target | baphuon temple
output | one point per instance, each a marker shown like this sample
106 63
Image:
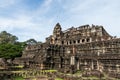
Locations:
84 48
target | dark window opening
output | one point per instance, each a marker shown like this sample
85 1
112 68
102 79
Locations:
70 42
62 42
56 39
88 40
74 42
83 40
78 41
67 43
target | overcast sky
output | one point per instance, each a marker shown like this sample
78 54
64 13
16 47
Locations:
36 18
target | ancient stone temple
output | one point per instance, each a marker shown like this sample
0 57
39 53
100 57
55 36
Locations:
83 48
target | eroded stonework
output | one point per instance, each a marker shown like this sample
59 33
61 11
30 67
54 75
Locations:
82 48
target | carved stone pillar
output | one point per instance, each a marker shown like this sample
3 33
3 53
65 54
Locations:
92 65
78 65
98 67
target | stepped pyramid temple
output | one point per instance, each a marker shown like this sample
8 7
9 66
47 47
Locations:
83 48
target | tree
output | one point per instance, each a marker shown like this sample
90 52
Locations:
7 38
39 42
31 42
9 46
9 50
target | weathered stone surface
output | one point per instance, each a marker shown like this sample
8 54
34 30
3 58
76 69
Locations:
3 63
82 48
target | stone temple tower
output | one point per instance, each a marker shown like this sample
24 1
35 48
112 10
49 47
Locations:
57 34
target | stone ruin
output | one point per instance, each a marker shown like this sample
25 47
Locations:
84 48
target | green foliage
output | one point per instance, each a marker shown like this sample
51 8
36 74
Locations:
58 79
18 78
8 50
31 42
7 38
9 47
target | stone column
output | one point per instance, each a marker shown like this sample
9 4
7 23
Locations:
98 65
118 69
72 62
78 65
92 65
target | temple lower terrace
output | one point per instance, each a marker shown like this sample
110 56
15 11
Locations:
85 51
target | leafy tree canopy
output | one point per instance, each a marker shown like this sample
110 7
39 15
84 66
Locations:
31 42
9 47
7 38
8 50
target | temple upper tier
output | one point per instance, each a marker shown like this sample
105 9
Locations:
80 35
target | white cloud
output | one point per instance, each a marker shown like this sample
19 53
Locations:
25 27
47 3
7 3
36 24
96 12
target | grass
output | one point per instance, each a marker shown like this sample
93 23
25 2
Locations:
79 72
48 70
92 78
18 78
34 79
19 66
58 79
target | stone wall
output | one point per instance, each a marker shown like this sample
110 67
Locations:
82 48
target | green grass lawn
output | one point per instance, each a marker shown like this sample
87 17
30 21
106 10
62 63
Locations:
18 78
58 79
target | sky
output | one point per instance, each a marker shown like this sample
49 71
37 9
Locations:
36 18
